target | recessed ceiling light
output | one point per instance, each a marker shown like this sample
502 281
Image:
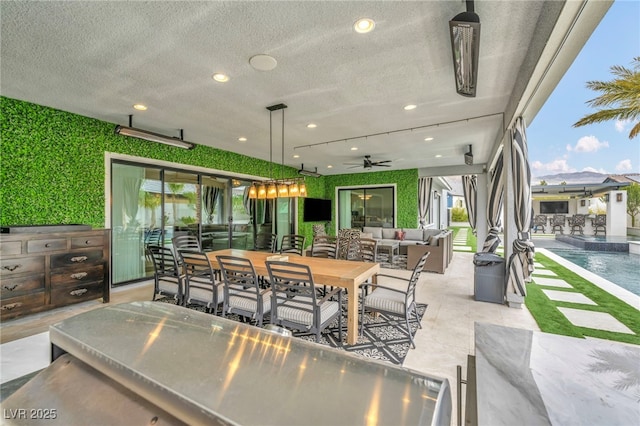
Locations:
354 148
428 139
220 77
312 125
296 156
410 107
364 25
140 107
263 62
242 139
438 155
329 166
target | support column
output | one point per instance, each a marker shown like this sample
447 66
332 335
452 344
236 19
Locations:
481 210
617 214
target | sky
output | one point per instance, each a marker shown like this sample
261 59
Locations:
555 146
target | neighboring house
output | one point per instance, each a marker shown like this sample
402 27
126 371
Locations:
608 197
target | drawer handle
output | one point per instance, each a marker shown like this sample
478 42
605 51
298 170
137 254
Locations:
79 259
11 306
87 242
79 275
47 245
79 292
13 287
11 267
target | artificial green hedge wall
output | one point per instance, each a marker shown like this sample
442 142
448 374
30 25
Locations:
406 186
52 168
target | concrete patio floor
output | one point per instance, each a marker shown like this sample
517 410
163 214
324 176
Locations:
444 342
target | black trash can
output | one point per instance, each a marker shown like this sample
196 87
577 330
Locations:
489 283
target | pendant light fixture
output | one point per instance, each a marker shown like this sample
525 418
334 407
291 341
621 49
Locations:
277 188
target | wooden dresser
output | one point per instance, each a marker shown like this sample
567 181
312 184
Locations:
52 267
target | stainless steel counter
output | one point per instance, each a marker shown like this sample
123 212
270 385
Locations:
205 369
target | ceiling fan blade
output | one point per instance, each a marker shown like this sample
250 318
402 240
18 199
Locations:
382 165
381 162
355 167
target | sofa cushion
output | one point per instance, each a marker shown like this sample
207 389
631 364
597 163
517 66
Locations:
366 235
376 232
389 233
430 232
434 240
413 234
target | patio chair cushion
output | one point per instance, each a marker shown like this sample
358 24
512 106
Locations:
387 300
204 294
294 311
250 305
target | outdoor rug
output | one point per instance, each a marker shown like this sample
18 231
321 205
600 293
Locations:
383 338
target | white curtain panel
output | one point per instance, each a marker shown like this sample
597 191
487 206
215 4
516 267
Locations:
424 200
470 188
521 261
494 207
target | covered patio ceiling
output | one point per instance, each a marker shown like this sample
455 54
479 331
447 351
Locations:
575 190
98 59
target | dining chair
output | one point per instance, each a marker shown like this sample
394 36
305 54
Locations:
185 242
540 221
394 301
364 250
265 241
167 275
292 243
201 286
559 221
599 224
242 293
296 302
345 242
324 246
578 223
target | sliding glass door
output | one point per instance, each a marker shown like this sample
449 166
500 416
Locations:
366 206
152 204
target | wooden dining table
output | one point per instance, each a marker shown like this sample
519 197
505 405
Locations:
345 274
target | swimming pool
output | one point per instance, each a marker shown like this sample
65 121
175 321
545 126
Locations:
622 269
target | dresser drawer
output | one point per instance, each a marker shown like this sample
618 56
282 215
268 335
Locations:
12 286
93 257
21 265
89 241
8 248
76 275
79 293
12 306
43 246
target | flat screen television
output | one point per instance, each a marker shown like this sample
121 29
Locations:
316 210
554 207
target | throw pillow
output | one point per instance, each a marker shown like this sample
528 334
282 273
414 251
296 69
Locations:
400 235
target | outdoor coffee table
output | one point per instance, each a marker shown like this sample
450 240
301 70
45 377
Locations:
392 248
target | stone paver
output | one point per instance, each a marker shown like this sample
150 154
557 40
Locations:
462 248
551 282
568 296
545 272
594 320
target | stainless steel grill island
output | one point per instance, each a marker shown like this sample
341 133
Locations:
164 364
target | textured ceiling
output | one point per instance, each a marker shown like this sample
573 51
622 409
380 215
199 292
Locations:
99 58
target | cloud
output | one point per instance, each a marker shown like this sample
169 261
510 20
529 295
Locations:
588 144
555 166
624 165
591 169
621 125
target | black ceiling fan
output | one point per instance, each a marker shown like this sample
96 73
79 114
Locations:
368 164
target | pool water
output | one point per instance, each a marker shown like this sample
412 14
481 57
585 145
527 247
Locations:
622 269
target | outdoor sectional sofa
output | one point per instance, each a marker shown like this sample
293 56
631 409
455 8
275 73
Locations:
415 242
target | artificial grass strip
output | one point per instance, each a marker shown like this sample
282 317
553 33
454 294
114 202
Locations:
548 316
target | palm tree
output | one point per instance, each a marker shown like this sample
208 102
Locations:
621 95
